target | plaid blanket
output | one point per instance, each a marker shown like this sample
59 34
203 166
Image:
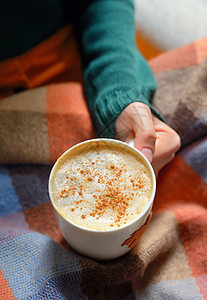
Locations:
170 260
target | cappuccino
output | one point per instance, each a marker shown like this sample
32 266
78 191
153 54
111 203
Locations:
101 186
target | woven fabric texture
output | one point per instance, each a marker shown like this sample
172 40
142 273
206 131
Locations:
169 262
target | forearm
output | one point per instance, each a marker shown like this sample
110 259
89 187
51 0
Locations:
114 71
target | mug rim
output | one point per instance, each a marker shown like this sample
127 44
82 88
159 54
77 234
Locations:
143 213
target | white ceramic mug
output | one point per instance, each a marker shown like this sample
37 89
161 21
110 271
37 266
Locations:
111 243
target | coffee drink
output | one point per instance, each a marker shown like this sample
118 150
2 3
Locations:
101 185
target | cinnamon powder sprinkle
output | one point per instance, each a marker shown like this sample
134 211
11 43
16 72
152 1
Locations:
115 197
64 193
115 200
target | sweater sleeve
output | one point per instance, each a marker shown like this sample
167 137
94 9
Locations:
115 73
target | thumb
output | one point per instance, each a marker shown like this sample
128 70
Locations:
145 138
136 118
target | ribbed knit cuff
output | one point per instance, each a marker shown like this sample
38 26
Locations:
110 105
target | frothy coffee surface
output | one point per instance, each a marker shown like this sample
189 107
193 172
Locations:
101 186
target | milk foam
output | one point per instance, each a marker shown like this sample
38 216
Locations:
101 187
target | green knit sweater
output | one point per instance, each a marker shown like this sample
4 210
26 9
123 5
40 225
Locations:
115 73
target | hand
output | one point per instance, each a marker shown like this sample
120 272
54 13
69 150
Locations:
155 139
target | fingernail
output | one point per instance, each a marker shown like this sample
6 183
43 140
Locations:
148 153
